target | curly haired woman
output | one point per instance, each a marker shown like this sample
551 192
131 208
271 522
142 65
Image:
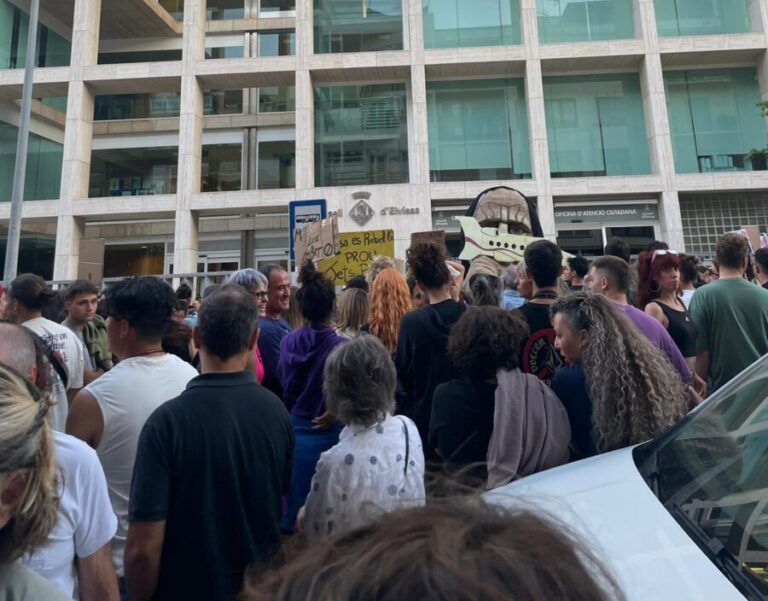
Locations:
390 300
619 389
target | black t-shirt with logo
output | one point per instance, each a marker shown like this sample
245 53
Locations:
539 356
214 463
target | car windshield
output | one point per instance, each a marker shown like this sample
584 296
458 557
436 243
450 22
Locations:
711 473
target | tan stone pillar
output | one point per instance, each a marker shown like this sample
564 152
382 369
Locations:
418 144
537 125
78 134
190 139
657 127
305 100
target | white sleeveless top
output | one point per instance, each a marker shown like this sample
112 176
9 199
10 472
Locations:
127 395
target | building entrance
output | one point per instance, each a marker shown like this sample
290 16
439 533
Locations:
585 229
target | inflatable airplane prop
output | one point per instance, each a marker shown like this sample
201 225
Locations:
489 241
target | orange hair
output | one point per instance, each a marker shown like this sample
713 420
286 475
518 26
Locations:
390 300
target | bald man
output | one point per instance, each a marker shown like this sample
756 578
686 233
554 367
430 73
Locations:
78 554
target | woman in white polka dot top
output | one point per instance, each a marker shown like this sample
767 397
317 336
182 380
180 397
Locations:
378 464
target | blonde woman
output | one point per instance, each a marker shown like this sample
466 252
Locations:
619 389
27 486
353 312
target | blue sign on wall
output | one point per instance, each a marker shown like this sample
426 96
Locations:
302 212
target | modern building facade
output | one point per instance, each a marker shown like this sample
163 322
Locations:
179 130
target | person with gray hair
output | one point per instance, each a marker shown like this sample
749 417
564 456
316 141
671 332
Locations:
510 298
27 486
255 283
378 464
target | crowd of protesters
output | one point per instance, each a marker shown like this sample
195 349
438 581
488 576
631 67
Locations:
154 445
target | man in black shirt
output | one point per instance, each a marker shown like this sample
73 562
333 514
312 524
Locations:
543 264
211 468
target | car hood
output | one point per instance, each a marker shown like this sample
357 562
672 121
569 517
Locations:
609 506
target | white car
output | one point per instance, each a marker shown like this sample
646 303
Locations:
682 517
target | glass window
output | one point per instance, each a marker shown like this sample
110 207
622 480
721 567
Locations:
595 125
224 52
277 43
460 23
701 17
222 167
44 160
121 260
710 474
141 56
637 237
277 99
174 7
133 171
223 102
477 130
714 120
52 49
35 256
365 26
154 106
584 20
277 165
215 10
361 135
274 6
581 242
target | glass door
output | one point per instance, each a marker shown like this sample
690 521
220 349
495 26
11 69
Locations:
587 242
590 240
637 236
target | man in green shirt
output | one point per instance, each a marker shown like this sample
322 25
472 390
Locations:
732 315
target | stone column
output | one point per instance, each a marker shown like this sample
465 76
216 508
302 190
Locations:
305 101
78 133
537 125
657 127
418 146
190 139
758 16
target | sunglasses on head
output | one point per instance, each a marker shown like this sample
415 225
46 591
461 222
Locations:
661 252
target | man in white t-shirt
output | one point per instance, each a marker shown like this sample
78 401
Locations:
110 412
77 556
27 297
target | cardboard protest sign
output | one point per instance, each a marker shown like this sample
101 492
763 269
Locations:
317 240
356 252
752 233
436 236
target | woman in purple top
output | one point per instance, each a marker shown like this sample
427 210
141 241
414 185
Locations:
302 359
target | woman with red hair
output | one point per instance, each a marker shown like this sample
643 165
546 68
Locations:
390 300
657 294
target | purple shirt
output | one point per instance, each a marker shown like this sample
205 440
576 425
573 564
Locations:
659 337
302 359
